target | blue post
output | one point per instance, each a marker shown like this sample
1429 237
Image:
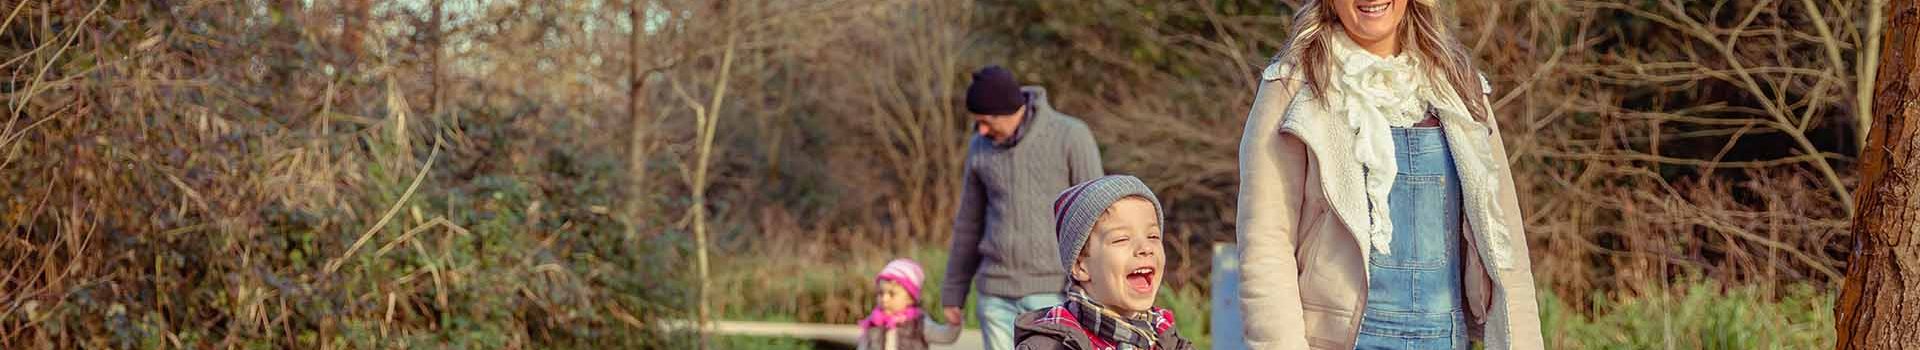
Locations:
1226 320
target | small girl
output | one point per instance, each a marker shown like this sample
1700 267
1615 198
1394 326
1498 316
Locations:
896 322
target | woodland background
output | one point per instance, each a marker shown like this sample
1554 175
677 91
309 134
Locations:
541 174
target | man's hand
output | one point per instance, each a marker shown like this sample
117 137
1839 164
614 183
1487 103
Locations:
953 316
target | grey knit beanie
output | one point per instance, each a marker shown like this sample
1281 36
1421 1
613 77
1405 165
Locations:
1077 208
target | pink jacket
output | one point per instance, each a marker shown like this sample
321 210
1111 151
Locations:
1304 280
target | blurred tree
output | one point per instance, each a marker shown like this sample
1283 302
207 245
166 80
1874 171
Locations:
638 66
706 125
1874 311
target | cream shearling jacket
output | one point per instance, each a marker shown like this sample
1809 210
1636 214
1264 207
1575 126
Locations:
1304 277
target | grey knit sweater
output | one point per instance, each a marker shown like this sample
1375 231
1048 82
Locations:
1003 240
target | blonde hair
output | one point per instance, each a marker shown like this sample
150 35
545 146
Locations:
1424 32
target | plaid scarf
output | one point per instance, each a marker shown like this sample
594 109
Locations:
1126 332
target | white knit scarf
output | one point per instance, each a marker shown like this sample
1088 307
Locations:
1377 94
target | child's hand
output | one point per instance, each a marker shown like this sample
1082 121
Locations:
953 316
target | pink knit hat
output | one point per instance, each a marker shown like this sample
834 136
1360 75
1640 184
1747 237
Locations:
905 272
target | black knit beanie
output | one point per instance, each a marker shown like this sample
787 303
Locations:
994 92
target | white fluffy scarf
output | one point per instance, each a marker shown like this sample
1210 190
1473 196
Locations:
1376 95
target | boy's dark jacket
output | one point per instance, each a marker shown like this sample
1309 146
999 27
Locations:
1030 333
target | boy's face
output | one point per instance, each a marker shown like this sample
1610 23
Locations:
1121 265
892 297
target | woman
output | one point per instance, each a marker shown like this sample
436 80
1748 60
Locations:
1376 208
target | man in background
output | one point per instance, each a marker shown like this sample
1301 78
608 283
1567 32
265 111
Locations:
1022 155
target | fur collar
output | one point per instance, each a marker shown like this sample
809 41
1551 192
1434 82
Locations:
1325 133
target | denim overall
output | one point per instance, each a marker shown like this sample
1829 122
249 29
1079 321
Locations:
1414 296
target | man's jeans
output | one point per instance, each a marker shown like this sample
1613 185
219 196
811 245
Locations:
997 315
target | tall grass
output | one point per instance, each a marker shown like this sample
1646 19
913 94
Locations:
1702 315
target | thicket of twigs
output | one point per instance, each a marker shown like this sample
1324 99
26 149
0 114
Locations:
326 175
500 173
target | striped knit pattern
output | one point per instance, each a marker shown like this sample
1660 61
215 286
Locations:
1077 208
905 272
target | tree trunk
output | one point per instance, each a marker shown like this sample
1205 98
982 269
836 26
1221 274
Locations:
638 120
438 30
1879 305
708 121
